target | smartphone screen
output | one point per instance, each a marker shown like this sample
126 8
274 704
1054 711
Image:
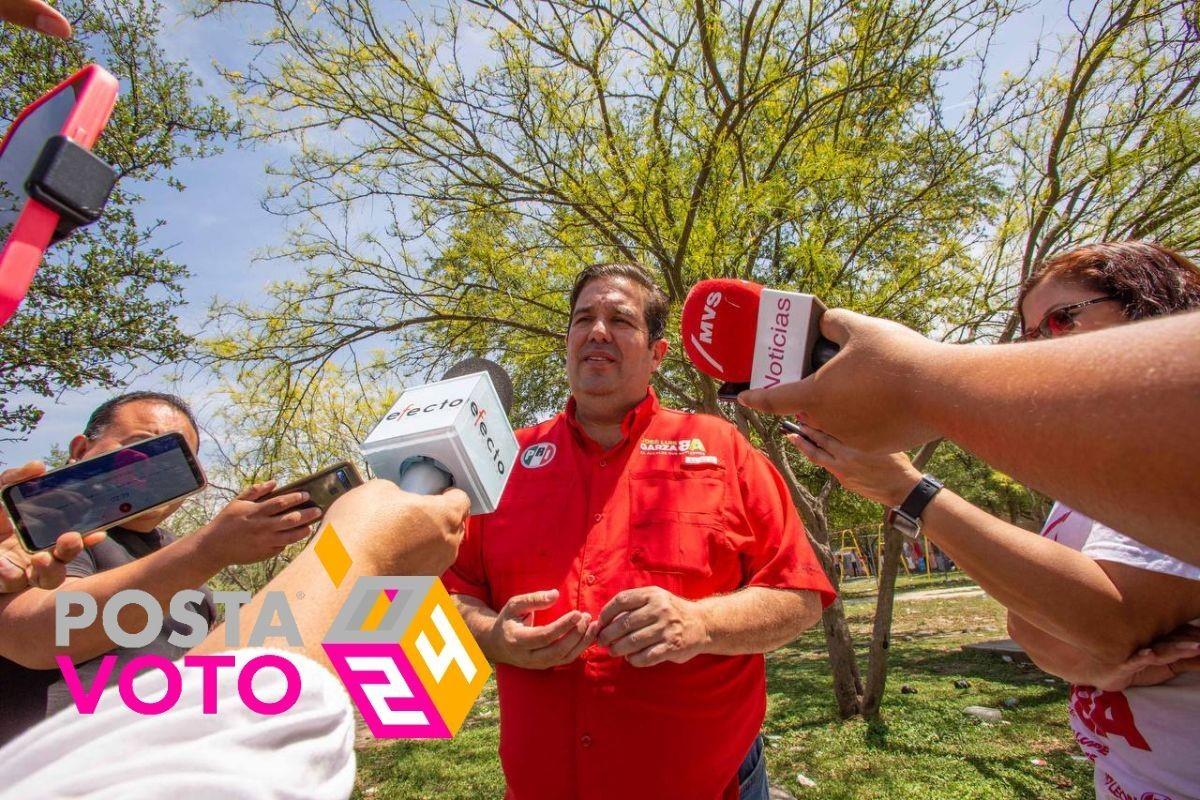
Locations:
96 493
22 150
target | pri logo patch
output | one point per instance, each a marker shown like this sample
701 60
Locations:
538 455
403 651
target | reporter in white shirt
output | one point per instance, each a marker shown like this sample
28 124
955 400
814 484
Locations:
304 752
1103 611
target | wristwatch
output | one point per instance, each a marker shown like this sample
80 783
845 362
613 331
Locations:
906 517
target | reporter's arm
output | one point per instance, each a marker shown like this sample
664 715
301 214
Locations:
1088 599
385 531
1102 605
28 619
1162 661
1052 654
1108 610
247 530
1103 421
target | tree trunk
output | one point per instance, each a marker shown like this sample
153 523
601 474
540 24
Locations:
881 631
847 685
877 662
843 663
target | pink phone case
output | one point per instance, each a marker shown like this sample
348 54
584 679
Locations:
96 93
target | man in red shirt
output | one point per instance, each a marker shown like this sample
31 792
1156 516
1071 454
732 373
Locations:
641 562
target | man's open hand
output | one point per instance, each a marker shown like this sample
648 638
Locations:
515 640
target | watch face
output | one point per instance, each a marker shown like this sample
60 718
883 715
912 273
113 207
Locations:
902 522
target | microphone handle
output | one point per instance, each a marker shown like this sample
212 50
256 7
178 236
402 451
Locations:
823 351
424 476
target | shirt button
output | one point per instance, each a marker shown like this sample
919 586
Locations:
585 740
590 578
604 463
597 517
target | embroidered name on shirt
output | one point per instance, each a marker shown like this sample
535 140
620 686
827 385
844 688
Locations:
692 450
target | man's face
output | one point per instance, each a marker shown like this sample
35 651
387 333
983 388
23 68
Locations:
131 423
609 352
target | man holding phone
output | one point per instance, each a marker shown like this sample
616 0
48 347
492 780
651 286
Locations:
135 555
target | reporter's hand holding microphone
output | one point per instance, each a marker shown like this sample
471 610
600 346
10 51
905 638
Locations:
388 531
868 394
443 451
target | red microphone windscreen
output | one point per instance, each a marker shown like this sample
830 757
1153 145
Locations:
719 320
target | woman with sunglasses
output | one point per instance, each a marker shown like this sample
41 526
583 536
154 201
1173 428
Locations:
1097 608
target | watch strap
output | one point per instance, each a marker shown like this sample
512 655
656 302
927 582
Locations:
919 497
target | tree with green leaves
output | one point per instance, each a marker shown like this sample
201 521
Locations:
104 299
510 144
250 444
1099 144
456 165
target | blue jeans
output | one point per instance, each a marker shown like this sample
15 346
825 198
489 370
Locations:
752 774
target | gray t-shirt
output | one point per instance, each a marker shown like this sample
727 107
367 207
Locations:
121 547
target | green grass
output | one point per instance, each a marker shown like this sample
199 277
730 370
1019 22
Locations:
866 587
924 747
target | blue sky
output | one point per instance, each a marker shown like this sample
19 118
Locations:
216 226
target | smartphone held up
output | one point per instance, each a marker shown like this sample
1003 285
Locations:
104 491
323 487
50 183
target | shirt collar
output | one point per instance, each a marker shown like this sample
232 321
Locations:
636 420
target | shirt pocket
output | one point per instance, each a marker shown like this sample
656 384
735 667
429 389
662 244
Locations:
675 516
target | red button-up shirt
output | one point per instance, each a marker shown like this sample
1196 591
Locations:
683 502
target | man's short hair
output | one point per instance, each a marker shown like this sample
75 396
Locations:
657 307
102 417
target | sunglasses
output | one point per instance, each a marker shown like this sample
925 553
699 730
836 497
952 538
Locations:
1060 320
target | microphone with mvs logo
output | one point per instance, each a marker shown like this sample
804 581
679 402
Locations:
752 337
451 433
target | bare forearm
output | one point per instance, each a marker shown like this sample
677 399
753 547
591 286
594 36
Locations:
1102 421
1055 656
480 619
29 619
757 619
1056 588
383 531
313 599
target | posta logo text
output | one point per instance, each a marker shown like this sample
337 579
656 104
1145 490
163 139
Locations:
398 644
